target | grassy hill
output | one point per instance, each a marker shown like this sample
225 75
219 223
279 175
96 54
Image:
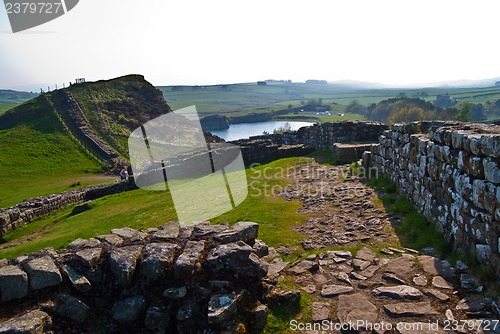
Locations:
39 155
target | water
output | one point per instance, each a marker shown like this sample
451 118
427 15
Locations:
245 130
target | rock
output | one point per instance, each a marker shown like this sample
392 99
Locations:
420 280
310 289
365 254
410 309
204 230
342 254
111 239
129 234
467 281
277 266
236 260
70 307
33 322
483 253
303 266
360 264
175 293
357 276
434 266
13 283
168 232
386 251
419 328
123 262
396 250
241 231
398 292
401 266
42 273
79 281
332 290
370 271
320 311
185 313
354 308
461 267
221 308
89 257
449 315
84 243
128 310
260 248
156 319
389 277
344 277
156 259
440 282
259 317
474 303
279 296
436 294
185 264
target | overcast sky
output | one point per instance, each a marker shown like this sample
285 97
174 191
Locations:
206 42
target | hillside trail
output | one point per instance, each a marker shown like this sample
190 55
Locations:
392 290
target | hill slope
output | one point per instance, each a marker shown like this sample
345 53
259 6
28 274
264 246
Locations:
42 150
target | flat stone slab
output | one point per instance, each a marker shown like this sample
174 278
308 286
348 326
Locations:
420 280
401 266
123 262
334 290
111 239
221 308
32 322
244 231
320 311
398 292
390 277
436 294
441 283
434 266
342 254
366 254
169 231
71 307
79 281
370 271
277 266
156 259
42 273
356 307
302 267
359 264
128 310
13 283
89 257
344 277
185 264
84 243
130 234
418 309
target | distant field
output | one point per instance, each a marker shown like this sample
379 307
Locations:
246 98
6 106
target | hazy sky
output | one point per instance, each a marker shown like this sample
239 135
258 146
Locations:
206 42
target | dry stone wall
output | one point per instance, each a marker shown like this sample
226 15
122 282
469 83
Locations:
451 172
172 279
31 209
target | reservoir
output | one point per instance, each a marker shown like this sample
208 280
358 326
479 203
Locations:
246 130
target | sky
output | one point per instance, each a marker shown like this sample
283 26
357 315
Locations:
197 42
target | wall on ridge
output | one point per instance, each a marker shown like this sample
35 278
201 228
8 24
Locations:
451 172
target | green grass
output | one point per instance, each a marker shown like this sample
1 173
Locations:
141 209
414 231
38 155
7 106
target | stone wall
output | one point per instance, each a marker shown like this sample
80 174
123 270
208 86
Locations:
31 209
451 172
172 279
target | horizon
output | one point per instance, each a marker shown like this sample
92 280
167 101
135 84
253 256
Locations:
389 42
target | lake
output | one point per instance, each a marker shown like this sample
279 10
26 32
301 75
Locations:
246 130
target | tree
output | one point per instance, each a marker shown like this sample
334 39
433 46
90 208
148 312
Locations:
478 113
356 108
464 113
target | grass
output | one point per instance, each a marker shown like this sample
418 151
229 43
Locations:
38 156
414 231
7 106
141 209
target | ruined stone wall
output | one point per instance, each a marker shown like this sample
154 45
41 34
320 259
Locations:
172 279
322 136
451 172
31 209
